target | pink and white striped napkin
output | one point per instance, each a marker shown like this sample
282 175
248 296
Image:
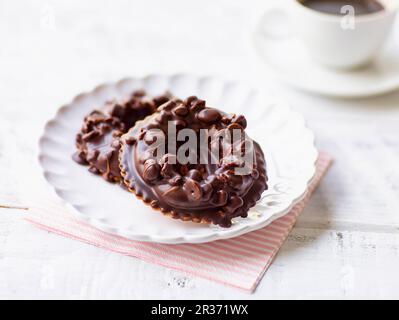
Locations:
240 262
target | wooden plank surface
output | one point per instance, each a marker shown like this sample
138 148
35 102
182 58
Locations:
346 243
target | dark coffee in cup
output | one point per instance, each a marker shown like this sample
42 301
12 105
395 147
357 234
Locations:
361 7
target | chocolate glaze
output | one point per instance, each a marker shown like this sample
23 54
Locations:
137 107
98 145
207 193
98 141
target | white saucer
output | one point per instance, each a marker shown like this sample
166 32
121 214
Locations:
281 132
285 56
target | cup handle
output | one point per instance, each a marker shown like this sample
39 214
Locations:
275 23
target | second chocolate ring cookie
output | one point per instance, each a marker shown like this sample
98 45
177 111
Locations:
98 141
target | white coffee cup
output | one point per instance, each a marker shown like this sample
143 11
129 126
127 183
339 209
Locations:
345 42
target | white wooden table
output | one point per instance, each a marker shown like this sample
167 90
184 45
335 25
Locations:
346 243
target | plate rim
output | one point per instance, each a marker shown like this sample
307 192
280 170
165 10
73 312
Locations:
216 235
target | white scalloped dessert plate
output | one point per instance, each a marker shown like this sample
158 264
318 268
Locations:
287 143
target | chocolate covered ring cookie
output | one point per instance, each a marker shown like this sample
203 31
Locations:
98 141
201 189
98 145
